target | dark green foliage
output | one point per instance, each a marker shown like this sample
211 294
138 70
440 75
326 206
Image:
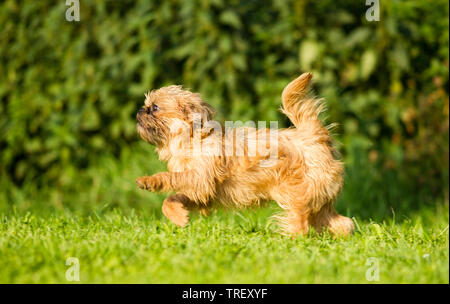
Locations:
69 91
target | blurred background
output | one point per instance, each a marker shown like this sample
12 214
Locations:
69 92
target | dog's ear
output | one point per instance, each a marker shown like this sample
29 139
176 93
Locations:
207 112
201 108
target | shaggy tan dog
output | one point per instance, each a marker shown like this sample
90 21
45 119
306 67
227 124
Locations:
207 166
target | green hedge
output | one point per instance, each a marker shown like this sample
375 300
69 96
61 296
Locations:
69 91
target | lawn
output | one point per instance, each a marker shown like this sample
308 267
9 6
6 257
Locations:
119 235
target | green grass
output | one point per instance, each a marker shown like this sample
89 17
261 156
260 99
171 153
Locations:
119 235
225 248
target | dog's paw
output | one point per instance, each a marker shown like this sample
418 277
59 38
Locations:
149 183
140 181
176 213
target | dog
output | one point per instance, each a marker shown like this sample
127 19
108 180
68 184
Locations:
304 178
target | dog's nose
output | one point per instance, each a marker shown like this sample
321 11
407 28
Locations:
139 113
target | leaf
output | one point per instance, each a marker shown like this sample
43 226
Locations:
230 18
309 51
368 63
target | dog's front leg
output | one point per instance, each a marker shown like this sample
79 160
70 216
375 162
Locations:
165 181
176 208
198 186
157 182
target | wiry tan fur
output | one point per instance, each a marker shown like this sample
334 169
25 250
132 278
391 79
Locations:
304 182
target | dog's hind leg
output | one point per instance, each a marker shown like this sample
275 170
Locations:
327 217
299 219
303 210
295 221
295 217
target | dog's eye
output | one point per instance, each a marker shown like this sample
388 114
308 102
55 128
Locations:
155 108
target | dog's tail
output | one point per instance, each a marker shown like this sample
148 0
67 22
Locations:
298 105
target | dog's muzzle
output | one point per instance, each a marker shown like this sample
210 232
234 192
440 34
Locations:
139 115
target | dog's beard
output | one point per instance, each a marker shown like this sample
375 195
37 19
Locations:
152 135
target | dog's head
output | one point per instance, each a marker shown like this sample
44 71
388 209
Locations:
167 107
